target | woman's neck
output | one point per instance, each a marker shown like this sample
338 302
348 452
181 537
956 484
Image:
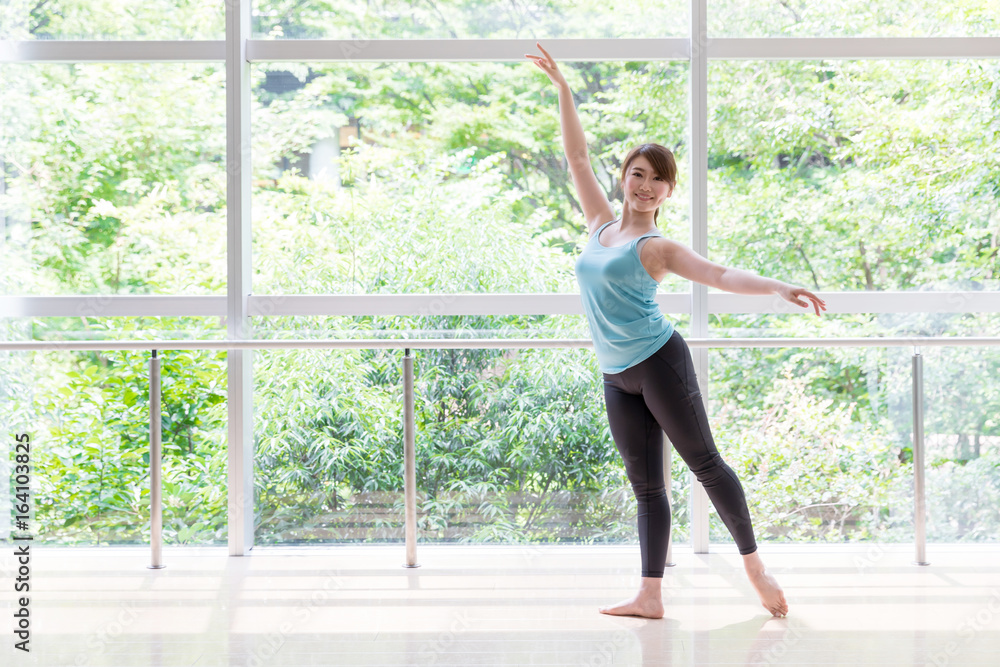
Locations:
632 221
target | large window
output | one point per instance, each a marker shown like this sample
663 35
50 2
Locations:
443 177
114 179
868 175
420 158
465 19
853 18
112 19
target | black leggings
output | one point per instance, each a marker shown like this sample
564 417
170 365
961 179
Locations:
661 395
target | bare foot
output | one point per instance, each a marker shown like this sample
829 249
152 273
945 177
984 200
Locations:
647 606
771 596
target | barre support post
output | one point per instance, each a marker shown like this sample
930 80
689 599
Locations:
409 462
155 460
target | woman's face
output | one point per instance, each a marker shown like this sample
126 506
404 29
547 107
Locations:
644 189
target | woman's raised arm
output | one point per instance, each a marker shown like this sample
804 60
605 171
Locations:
595 204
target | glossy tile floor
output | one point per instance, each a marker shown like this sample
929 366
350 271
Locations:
503 605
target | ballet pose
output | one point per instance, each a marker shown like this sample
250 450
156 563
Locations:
650 386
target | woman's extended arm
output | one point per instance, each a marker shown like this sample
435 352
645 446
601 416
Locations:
678 258
596 208
574 141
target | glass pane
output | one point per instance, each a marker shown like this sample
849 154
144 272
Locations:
853 18
113 179
112 19
856 175
469 19
512 445
822 438
87 415
443 177
816 437
962 443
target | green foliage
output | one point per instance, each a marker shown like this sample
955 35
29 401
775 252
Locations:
840 175
812 470
92 461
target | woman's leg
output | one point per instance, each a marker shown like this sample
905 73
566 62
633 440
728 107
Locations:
670 388
640 442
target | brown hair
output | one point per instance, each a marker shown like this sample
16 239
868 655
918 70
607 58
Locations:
663 164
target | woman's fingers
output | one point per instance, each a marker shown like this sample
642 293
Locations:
535 59
795 293
816 301
541 62
548 57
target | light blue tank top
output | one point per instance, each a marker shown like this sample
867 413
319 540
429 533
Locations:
618 296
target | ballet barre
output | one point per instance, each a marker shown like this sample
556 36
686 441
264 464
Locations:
409 433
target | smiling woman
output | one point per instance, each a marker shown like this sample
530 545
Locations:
648 176
650 386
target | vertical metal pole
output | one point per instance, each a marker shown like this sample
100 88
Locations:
409 463
668 452
698 157
919 499
155 456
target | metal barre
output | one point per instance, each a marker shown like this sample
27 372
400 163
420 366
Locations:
409 431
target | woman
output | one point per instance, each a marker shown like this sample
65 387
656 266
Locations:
650 386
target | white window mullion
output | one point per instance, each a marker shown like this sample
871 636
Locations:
310 305
464 50
112 51
887 48
699 237
501 50
238 286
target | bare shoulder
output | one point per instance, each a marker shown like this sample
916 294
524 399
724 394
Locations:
655 253
662 244
672 257
660 247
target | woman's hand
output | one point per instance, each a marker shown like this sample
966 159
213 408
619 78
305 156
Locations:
792 293
548 65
